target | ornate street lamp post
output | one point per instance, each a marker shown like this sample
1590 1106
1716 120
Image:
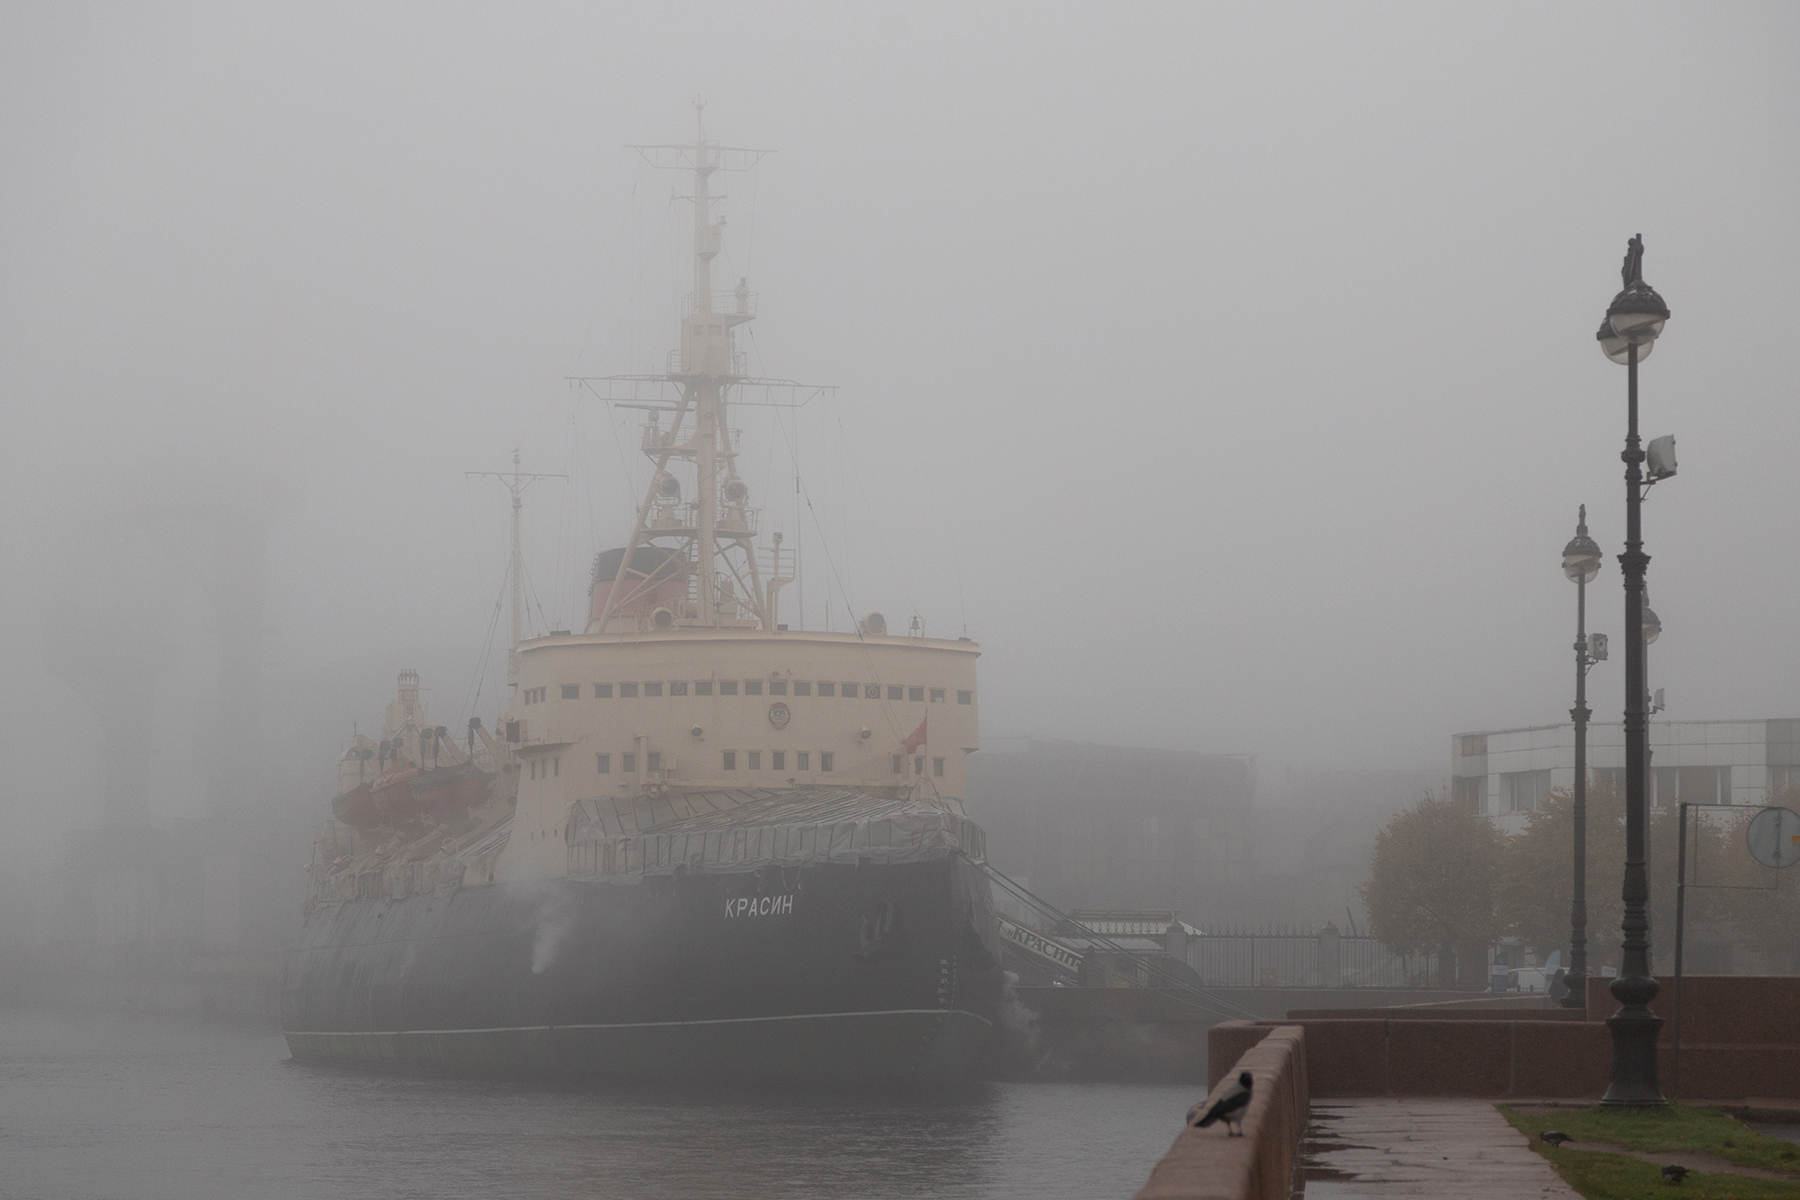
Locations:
1633 321
1581 562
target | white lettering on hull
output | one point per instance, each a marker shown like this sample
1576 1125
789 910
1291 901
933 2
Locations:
1039 946
759 906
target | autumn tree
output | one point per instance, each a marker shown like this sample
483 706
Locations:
1753 908
1537 875
1432 882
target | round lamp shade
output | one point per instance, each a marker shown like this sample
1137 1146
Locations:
1617 348
1652 625
1581 559
1636 316
1639 327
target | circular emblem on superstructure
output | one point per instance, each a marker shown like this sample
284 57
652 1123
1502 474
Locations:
779 714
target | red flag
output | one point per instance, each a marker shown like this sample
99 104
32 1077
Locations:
918 737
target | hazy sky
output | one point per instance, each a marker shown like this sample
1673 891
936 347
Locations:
1227 371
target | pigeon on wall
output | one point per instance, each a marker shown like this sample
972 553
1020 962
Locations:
1229 1107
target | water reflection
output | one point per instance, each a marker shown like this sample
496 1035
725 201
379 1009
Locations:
165 1107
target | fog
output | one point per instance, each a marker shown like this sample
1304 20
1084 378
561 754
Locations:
1228 373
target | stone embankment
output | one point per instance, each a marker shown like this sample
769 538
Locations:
1206 1164
1740 1038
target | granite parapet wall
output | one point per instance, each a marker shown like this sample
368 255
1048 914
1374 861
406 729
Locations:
1205 1164
1358 1054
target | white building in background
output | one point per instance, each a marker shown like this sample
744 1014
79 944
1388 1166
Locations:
1505 773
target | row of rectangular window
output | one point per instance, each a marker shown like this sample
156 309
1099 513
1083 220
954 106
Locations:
753 762
777 761
753 687
937 765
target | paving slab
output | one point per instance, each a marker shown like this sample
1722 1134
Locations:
1446 1148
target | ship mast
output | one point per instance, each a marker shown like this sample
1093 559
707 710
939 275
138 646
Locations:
516 482
729 583
718 529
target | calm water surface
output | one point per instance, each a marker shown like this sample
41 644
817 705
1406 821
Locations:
138 1106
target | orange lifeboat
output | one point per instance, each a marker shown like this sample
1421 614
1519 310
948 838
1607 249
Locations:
357 807
445 790
391 796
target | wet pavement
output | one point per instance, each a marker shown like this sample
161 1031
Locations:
1381 1147
1787 1133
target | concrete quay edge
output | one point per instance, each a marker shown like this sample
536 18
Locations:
1205 1164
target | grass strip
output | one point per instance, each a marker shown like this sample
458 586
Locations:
1615 1177
1695 1128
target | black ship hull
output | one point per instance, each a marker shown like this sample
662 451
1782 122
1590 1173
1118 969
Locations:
823 972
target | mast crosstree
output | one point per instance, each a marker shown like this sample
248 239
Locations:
516 482
709 542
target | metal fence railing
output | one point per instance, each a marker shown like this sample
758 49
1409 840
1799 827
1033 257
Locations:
1300 957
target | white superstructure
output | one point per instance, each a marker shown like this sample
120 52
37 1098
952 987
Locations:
685 681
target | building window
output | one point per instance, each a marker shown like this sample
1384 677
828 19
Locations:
802 688
752 687
677 687
653 688
571 691
872 691
937 695
727 687
653 760
1526 790
628 763
556 766
827 687
802 761
899 763
702 687
918 764
937 768
755 760
1669 786
778 760
913 693
848 690
603 691
825 757
1471 745
965 697
777 687
895 693
603 763
628 690
731 760
534 768
1466 790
